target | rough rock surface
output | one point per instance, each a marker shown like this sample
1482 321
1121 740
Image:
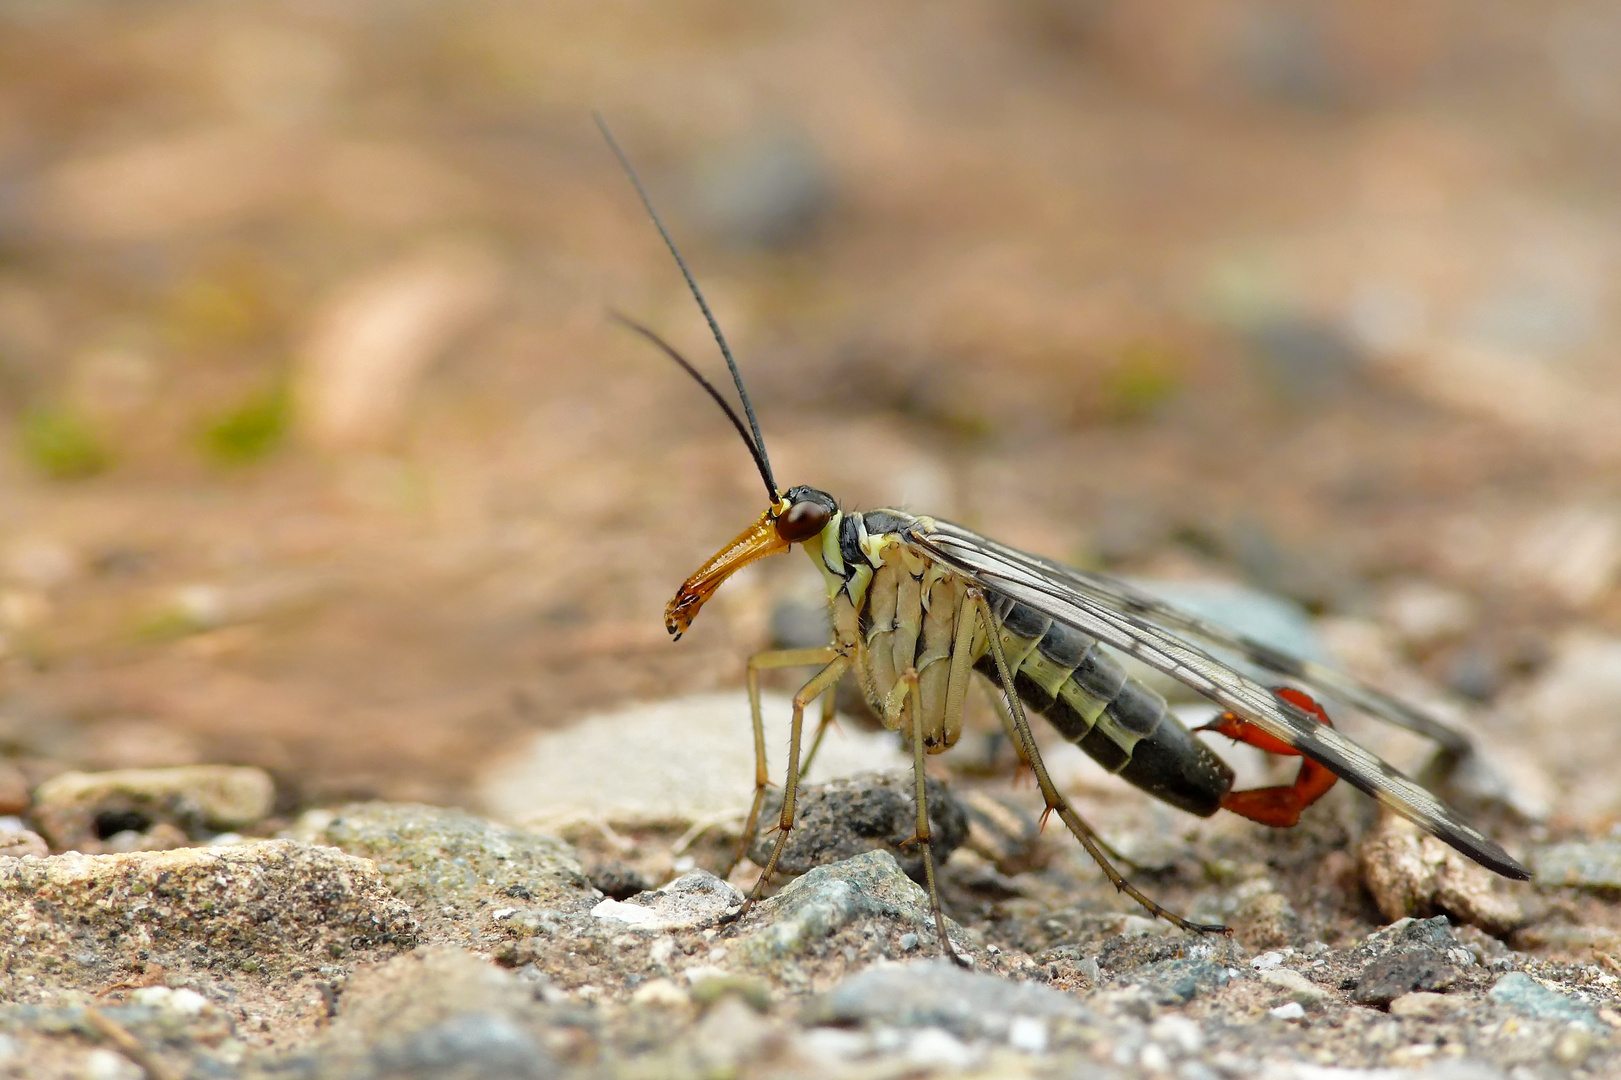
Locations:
850 815
1410 874
271 906
439 945
453 867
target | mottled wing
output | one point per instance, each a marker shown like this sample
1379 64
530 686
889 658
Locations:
1309 675
1129 621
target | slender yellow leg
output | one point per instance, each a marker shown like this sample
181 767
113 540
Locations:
921 798
759 662
829 705
1049 792
819 684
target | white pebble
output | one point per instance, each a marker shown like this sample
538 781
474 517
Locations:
1028 1035
939 1048
1154 1059
108 1065
1292 1011
1178 1031
630 914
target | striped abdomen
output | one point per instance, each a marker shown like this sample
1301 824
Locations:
1083 692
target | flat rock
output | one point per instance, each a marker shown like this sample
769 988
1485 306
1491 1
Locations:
672 762
823 901
1594 864
865 812
452 865
81 811
938 993
271 906
1520 993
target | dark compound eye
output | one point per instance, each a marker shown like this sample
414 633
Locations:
803 520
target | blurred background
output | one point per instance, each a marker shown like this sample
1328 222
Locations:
318 451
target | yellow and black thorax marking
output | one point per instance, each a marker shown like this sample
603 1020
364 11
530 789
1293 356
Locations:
895 609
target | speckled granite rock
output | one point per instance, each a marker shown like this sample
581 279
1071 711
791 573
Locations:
270 906
453 867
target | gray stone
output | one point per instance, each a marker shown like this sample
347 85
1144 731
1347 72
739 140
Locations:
1178 981
767 191
866 812
937 993
451 864
1305 362
1592 864
817 905
1263 616
81 811
1520 993
467 1046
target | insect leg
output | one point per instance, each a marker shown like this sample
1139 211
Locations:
1049 792
762 779
1279 807
921 798
820 683
829 704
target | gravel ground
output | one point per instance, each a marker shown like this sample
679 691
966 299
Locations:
325 476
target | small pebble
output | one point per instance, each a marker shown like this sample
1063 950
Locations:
16 843
1300 987
1027 1034
1291 1011
1154 1059
938 1048
663 993
1177 1031
1422 1004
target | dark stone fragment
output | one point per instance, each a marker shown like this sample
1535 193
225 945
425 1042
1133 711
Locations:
868 812
1401 971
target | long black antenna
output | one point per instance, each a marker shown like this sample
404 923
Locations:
756 444
731 413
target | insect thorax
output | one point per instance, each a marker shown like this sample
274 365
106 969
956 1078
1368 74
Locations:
893 610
